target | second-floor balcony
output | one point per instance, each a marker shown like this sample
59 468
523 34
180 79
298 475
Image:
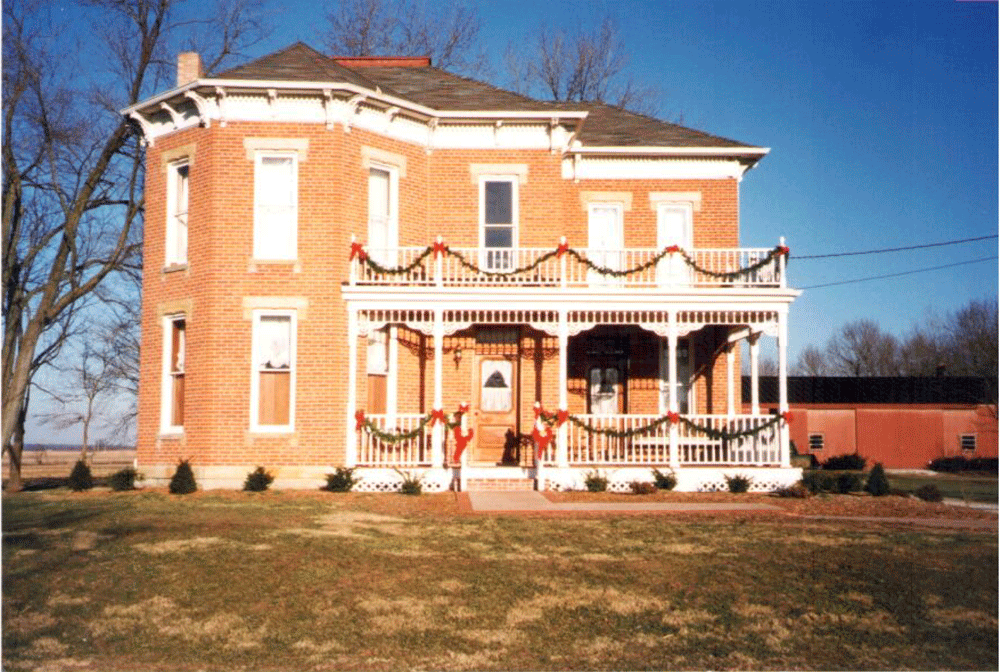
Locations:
668 269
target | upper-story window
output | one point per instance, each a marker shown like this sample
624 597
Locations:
383 230
498 221
674 227
174 346
177 212
275 205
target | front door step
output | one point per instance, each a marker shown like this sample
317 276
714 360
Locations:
499 484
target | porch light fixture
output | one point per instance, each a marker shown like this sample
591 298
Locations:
458 355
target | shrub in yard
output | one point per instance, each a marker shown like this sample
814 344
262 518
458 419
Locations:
798 491
595 482
848 481
411 484
182 482
642 488
878 484
664 480
929 493
983 464
258 481
817 481
847 462
342 480
123 480
81 478
738 483
949 465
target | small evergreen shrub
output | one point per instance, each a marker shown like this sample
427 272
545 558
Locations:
411 484
848 481
988 464
182 482
817 481
797 491
878 484
664 480
258 481
342 480
739 483
595 482
642 488
929 493
123 480
955 464
80 478
847 462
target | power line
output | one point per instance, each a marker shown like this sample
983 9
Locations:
891 249
893 275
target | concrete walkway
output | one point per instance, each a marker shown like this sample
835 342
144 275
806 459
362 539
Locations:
533 501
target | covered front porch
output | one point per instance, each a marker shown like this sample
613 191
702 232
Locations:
550 393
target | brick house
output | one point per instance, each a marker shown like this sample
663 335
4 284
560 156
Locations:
343 253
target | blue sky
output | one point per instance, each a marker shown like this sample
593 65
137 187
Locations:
881 118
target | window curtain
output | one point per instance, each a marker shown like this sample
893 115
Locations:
274 343
496 392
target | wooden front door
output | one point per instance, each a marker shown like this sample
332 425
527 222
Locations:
496 410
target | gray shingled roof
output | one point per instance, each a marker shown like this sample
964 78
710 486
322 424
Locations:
876 390
606 125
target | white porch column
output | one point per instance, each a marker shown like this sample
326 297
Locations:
754 373
351 437
730 386
786 455
437 434
562 447
672 404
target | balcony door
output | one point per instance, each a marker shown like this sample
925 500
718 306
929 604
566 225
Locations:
383 230
498 215
673 227
606 242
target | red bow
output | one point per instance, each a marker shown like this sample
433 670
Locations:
538 409
674 417
541 440
439 248
562 249
358 250
673 248
461 441
787 417
783 250
359 417
437 415
561 417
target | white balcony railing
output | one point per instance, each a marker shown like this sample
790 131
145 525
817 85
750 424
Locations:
539 267
411 452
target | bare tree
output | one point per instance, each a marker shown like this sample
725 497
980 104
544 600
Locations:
579 65
84 397
449 33
811 362
73 168
860 348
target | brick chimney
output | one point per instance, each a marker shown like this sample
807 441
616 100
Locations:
188 67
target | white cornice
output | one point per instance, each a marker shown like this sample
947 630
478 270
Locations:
673 151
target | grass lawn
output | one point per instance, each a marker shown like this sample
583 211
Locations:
317 581
976 488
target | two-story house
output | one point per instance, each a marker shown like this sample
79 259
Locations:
371 262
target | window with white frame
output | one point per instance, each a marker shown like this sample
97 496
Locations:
378 370
498 215
816 442
685 391
275 233
174 350
383 187
177 212
272 392
968 443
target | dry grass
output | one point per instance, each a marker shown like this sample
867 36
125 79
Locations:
316 581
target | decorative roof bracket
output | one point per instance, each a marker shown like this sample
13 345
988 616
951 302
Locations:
220 100
352 109
175 116
147 129
202 105
328 108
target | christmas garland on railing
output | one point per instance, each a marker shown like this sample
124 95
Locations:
555 420
357 250
364 423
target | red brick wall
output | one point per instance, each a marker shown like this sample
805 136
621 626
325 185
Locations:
437 196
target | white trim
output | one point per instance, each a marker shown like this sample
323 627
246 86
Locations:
392 219
622 197
691 197
578 167
167 428
373 157
262 250
277 145
687 343
477 171
674 150
255 426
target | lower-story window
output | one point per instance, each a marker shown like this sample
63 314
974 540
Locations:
174 346
273 386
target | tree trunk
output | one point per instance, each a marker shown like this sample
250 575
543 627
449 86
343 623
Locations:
15 405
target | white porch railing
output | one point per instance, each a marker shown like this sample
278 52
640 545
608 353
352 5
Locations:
653 448
493 267
415 452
